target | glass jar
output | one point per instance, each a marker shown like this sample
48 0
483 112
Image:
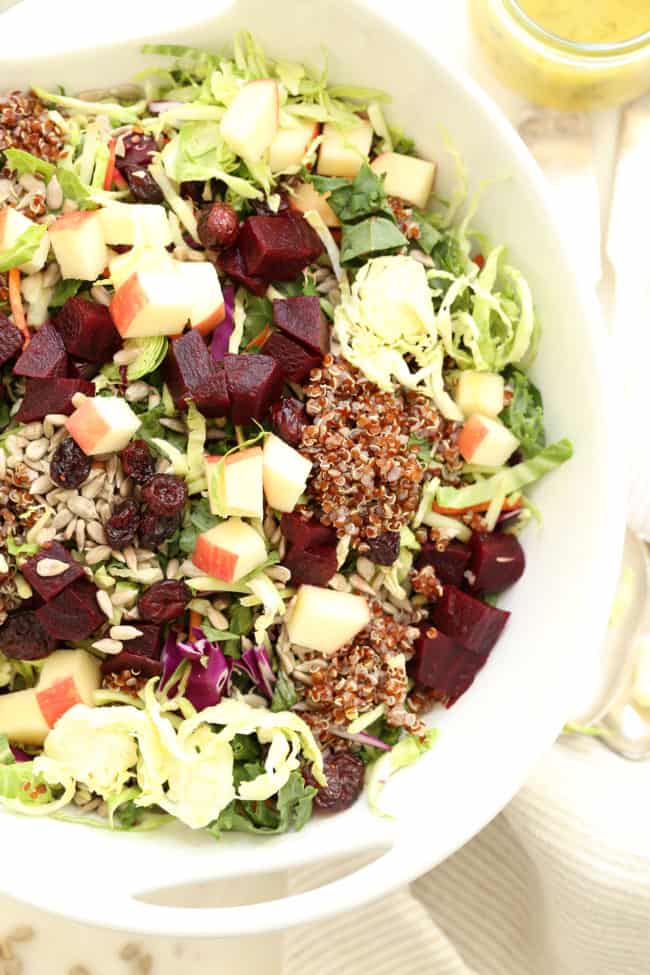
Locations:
553 70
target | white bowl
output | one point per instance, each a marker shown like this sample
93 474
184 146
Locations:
491 739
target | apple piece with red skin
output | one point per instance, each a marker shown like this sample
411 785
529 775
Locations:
68 677
229 551
207 308
78 243
151 303
486 441
406 177
12 225
290 145
304 197
285 474
21 718
102 425
235 483
342 151
250 122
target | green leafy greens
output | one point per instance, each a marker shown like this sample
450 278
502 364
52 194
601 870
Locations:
524 414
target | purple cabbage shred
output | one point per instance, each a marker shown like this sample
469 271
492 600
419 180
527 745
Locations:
222 332
210 669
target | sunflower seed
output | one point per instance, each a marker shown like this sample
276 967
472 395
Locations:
116 554
91 489
365 568
136 392
45 535
104 603
103 510
51 274
80 534
124 633
171 424
4 565
148 576
48 568
98 554
62 518
126 356
54 195
154 400
172 569
95 531
56 419
100 295
36 449
111 467
339 583
33 431
163 465
70 529
279 573
126 488
217 619
131 558
82 507
108 646
124 597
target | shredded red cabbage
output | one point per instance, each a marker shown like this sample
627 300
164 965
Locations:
362 738
19 754
210 669
255 662
222 332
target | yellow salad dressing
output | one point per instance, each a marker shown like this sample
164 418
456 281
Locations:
568 54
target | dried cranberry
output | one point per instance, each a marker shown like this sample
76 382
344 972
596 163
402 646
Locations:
69 466
345 774
165 494
218 225
192 189
288 417
384 549
138 151
23 638
121 528
154 529
143 186
164 601
138 462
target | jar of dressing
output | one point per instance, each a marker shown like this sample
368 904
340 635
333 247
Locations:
567 54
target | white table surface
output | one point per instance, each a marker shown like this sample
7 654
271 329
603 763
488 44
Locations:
59 945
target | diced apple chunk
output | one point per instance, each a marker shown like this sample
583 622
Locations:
285 474
135 223
229 551
102 424
250 122
486 441
21 718
480 392
12 225
325 620
408 178
304 197
207 308
122 266
342 151
78 243
235 483
290 145
151 303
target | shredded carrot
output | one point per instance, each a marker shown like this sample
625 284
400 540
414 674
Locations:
16 303
110 166
260 339
195 622
506 506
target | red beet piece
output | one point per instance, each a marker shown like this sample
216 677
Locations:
141 665
23 638
45 356
498 561
87 330
187 366
73 614
11 340
211 395
313 566
51 396
441 664
449 565
48 587
302 319
149 644
303 532
295 361
278 248
475 625
231 262
254 382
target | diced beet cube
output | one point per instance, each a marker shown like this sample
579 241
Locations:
498 561
73 614
303 320
303 532
149 644
11 340
449 565
211 395
48 587
22 637
45 356
442 665
254 383
51 396
312 566
127 660
475 625
295 361
187 366
278 248
87 330
231 262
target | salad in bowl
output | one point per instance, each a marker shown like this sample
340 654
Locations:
265 432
